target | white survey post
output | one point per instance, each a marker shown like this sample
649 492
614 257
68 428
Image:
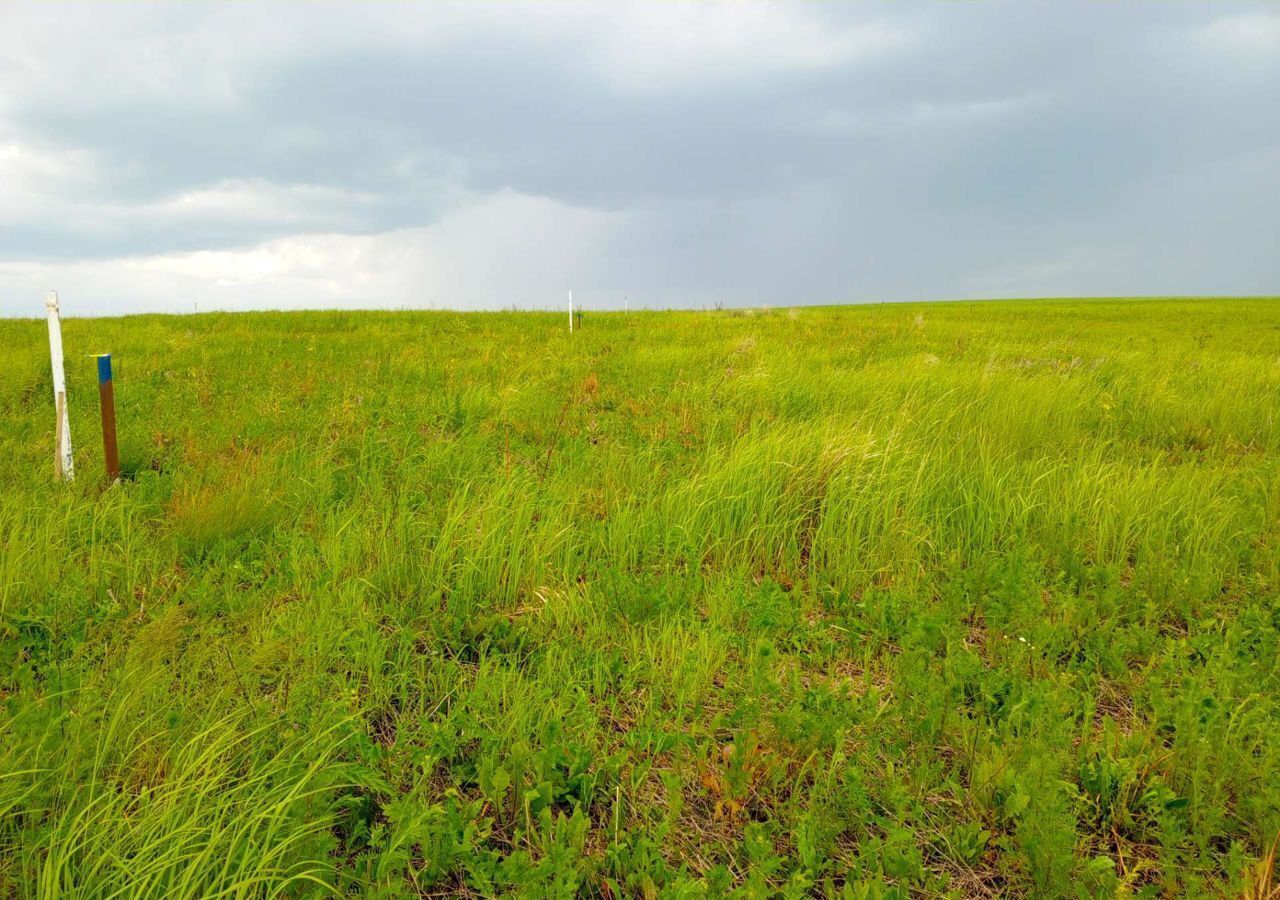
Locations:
571 312
63 463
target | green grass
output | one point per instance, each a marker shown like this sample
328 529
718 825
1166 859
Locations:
959 599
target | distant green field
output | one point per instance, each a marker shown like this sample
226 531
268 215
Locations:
975 599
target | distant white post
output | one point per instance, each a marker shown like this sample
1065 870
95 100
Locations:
626 304
63 463
571 312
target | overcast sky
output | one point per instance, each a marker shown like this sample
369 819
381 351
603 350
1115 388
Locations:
154 157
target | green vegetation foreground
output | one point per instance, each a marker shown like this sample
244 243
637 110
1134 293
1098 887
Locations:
960 599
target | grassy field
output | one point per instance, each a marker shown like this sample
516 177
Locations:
965 599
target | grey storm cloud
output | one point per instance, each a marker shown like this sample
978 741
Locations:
492 155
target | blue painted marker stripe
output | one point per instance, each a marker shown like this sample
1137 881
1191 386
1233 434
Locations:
104 368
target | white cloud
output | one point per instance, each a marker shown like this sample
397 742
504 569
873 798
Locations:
35 177
931 114
1252 34
209 56
62 188
258 200
503 250
635 45
73 57
683 45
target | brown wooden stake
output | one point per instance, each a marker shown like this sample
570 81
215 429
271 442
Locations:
107 400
